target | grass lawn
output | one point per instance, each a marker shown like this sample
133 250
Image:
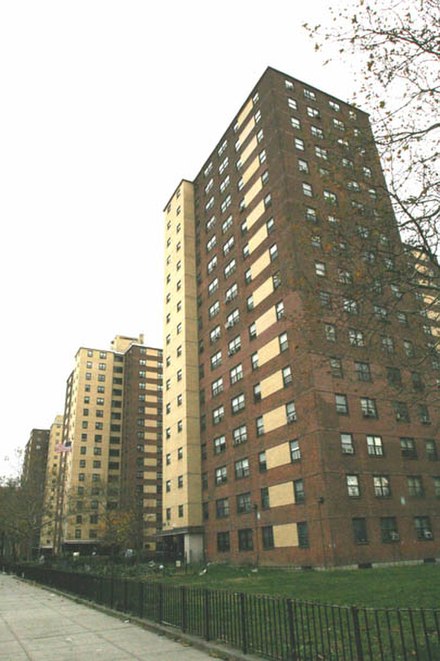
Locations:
407 586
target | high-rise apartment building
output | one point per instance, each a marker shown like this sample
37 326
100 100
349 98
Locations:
111 448
300 414
51 511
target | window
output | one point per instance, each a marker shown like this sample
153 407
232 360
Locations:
230 268
180 481
223 542
436 481
336 368
417 381
244 503
267 537
226 203
303 166
245 542
222 508
345 277
219 444
353 488
387 343
287 375
218 414
408 448
295 451
347 443
431 449
180 511
394 376
214 334
279 310
307 190
408 348
341 403
375 446
234 346
423 412
212 264
415 486
298 491
363 371
216 360
214 309
290 412
311 215
239 435
213 286
299 144
264 498
262 463
254 360
227 247
330 332
350 306
259 423
236 373
238 403
320 269
320 152
221 475
356 337
317 132
292 104
325 300
388 529
401 411
303 534
273 252
381 485
252 331
422 525
211 243
283 342
242 468
233 318
359 526
296 124
257 392
330 197
368 407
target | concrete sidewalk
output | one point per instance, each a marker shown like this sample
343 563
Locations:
40 625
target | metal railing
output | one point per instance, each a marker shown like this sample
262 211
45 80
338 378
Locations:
271 627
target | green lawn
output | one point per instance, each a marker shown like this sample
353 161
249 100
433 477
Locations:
407 586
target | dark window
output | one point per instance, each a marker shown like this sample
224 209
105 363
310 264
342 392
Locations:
360 531
245 541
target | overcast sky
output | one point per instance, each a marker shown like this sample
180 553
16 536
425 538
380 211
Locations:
105 107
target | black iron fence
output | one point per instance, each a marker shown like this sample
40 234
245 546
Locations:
271 627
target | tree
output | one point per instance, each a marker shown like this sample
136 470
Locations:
397 43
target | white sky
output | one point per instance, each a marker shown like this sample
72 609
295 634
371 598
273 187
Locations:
104 107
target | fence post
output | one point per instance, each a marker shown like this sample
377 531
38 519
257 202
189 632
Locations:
244 643
112 590
141 600
183 607
357 633
125 595
291 629
206 613
160 603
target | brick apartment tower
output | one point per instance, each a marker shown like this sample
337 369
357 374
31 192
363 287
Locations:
111 453
51 515
300 414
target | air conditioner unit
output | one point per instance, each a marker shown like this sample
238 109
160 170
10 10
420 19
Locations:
229 324
427 534
348 450
394 536
291 418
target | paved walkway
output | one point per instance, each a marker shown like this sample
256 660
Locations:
39 625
